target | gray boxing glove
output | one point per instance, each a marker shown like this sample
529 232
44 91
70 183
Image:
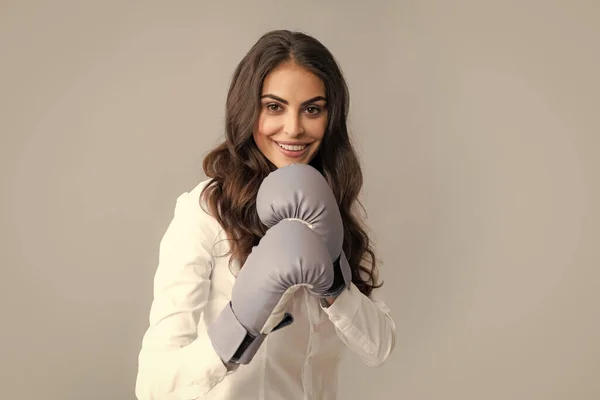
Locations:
290 255
300 192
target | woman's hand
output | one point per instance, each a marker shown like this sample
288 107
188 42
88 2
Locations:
300 192
289 256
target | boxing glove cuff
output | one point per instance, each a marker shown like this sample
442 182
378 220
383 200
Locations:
342 276
232 342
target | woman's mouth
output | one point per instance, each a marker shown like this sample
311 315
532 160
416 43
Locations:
292 150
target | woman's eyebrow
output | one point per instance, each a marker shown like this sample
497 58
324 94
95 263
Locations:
277 98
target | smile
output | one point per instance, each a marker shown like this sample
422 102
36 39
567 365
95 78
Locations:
292 150
292 147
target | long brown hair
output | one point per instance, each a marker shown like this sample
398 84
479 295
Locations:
236 167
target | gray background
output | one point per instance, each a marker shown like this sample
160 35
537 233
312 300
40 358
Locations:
477 125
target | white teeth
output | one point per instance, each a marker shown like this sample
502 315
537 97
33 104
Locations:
295 147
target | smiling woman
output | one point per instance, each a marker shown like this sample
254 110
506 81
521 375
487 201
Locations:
293 116
245 308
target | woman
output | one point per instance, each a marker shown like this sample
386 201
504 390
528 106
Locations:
287 104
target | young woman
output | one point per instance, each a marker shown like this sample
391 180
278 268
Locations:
287 106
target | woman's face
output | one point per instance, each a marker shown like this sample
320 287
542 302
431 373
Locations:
293 115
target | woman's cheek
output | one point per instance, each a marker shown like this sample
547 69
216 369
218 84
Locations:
269 125
317 128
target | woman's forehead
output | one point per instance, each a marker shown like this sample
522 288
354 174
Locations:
293 82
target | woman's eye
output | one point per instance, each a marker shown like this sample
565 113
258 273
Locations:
313 110
273 107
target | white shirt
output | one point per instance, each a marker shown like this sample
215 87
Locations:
193 283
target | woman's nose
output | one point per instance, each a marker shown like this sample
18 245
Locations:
293 125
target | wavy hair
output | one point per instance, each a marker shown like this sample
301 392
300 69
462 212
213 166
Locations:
237 167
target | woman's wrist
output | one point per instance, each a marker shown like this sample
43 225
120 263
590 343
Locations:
327 301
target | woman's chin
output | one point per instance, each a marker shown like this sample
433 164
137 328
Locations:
285 163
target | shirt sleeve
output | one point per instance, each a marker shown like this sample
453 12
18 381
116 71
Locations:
364 324
175 361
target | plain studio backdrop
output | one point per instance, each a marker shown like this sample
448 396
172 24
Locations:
477 123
